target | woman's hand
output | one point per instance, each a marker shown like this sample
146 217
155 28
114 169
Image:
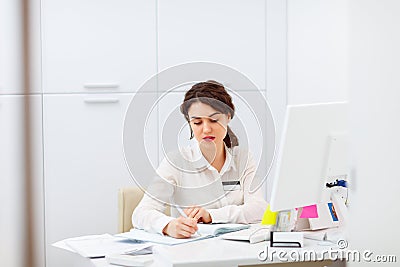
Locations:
181 227
199 214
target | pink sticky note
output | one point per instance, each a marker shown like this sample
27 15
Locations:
309 212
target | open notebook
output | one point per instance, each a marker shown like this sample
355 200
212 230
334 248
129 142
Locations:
205 231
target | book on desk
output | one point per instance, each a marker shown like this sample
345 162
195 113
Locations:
204 231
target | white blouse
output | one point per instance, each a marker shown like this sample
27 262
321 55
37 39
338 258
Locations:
185 178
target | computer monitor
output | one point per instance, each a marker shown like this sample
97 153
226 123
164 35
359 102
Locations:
312 151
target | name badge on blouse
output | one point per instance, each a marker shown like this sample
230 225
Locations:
231 185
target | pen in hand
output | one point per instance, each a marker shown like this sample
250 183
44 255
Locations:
180 210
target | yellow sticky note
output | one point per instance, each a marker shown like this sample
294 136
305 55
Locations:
269 217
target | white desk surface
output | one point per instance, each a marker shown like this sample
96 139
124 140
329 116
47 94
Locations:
216 252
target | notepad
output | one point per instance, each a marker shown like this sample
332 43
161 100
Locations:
205 231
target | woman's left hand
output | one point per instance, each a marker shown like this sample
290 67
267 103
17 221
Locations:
198 213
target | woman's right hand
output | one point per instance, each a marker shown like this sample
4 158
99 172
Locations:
181 227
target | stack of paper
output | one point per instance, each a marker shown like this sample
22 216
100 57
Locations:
96 246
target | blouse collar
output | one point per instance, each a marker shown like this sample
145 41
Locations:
200 161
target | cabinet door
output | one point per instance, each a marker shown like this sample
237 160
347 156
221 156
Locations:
98 45
12 194
226 32
84 167
11 47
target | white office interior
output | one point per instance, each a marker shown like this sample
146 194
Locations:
89 58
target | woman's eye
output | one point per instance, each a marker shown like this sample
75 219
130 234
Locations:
197 122
214 120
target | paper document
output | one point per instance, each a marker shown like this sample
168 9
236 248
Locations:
205 231
102 245
220 228
62 243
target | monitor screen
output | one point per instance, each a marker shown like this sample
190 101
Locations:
312 151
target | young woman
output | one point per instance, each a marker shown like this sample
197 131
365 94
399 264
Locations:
212 180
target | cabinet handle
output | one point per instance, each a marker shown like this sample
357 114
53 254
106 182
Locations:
100 85
101 100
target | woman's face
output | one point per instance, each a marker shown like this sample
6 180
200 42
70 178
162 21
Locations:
209 125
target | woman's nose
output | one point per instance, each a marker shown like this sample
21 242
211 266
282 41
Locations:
206 127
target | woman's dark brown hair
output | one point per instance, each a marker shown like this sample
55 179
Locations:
213 94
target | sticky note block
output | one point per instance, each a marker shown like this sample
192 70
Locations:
309 212
269 217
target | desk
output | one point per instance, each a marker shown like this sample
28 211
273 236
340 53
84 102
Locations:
224 253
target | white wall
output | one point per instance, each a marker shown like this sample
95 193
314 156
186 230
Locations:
306 56
374 88
276 70
316 51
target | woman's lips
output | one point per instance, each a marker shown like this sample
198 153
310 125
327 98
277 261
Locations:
208 138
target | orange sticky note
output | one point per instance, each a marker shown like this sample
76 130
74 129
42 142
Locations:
309 212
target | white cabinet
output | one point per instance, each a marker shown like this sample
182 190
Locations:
12 195
173 128
226 32
84 166
11 47
101 45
